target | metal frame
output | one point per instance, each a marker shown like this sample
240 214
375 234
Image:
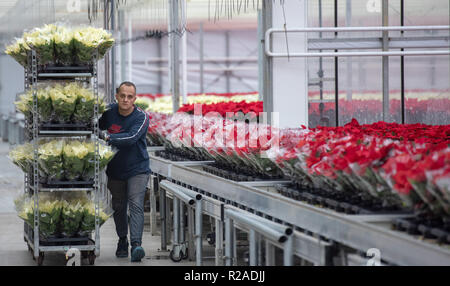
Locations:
174 54
182 195
32 77
271 31
256 226
307 247
358 232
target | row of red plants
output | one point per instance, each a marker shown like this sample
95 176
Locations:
229 94
222 108
409 168
402 165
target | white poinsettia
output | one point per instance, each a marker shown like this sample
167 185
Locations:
22 156
56 43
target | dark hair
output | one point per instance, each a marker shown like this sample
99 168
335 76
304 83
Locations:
127 83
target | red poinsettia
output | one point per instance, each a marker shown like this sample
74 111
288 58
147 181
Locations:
225 109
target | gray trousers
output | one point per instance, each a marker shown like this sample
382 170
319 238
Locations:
129 193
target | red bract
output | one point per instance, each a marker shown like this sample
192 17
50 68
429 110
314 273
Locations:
222 108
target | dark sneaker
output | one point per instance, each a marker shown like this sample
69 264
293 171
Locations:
137 253
122 248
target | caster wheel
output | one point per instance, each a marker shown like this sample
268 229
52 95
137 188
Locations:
40 259
211 238
186 254
175 259
91 258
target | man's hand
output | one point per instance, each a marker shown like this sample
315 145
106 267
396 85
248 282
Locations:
104 135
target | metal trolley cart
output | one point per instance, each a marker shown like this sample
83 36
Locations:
88 245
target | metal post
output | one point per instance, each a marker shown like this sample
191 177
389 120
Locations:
130 48
174 47
107 56
202 55
219 242
267 61
288 250
259 253
402 65
160 74
227 55
336 68
113 52
234 243
35 151
176 223
162 214
385 59
169 223
153 188
184 54
349 74
270 254
229 234
260 55
96 158
121 48
198 231
191 233
320 72
182 222
253 247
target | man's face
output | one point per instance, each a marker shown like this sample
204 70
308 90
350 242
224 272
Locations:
126 97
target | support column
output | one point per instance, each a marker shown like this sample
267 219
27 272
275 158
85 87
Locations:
202 55
121 48
160 65
130 48
184 55
219 242
107 56
349 74
227 56
266 68
289 75
174 55
385 64
113 52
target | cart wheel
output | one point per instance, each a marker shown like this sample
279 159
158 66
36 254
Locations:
171 255
186 254
84 254
91 258
40 259
211 238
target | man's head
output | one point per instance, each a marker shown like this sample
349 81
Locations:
126 96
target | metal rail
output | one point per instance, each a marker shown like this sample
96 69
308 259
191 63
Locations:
191 199
265 228
271 31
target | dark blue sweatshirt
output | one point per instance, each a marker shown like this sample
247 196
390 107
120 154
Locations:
128 134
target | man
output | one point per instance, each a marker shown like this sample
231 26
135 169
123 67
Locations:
128 172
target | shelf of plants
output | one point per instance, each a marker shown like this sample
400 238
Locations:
379 186
63 203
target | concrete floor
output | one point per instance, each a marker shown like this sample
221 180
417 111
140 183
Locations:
14 251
